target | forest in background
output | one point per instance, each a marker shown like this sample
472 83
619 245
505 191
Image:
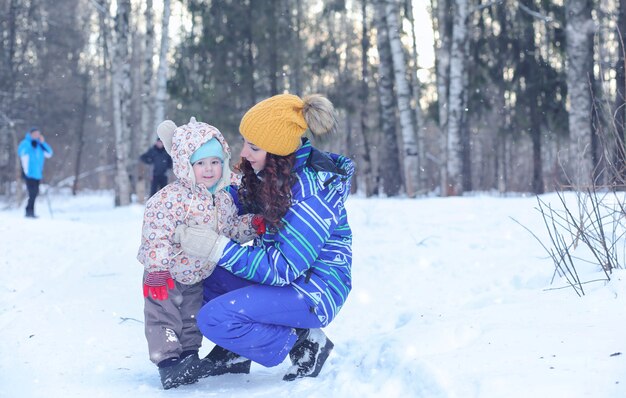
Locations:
524 95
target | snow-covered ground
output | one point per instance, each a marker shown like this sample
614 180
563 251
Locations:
449 300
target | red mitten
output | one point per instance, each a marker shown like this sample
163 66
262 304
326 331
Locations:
156 285
258 223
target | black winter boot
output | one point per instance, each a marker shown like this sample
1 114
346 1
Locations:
308 354
222 361
175 372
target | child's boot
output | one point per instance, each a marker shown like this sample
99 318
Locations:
176 372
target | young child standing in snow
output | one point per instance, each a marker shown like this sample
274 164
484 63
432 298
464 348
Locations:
172 279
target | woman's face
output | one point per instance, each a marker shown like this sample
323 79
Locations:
253 154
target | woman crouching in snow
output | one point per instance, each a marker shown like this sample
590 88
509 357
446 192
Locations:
268 301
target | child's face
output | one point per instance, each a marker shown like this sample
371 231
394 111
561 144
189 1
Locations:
208 171
254 155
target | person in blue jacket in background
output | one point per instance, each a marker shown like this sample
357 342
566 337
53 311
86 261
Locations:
33 151
270 300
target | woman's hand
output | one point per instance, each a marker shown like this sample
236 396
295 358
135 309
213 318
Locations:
200 241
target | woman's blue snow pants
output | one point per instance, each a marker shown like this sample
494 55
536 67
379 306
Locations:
255 321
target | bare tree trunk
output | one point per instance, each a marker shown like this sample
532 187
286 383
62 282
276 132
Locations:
250 55
500 108
161 79
579 33
409 157
348 142
147 133
618 158
389 162
6 155
7 98
273 50
443 30
456 102
19 192
366 181
81 134
421 147
538 185
500 138
502 162
121 87
297 73
12 39
531 94
147 127
11 171
103 85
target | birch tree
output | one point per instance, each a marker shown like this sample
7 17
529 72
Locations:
502 138
389 163
249 56
147 102
121 91
80 136
271 10
147 125
456 100
409 156
618 157
8 140
365 179
161 78
297 72
579 33
415 83
442 26
529 94
103 118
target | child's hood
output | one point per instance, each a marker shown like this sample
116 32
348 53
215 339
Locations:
182 141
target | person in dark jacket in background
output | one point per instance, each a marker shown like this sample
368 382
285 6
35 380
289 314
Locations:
161 161
33 151
269 301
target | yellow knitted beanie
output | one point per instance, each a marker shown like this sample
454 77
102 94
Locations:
278 123
275 124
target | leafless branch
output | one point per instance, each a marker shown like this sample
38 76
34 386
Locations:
535 14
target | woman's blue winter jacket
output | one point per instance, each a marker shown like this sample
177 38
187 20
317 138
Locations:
312 250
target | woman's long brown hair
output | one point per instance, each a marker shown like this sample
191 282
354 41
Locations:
269 195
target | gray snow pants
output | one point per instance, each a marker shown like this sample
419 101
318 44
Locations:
171 324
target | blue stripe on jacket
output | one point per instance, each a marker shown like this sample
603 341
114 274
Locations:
315 239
